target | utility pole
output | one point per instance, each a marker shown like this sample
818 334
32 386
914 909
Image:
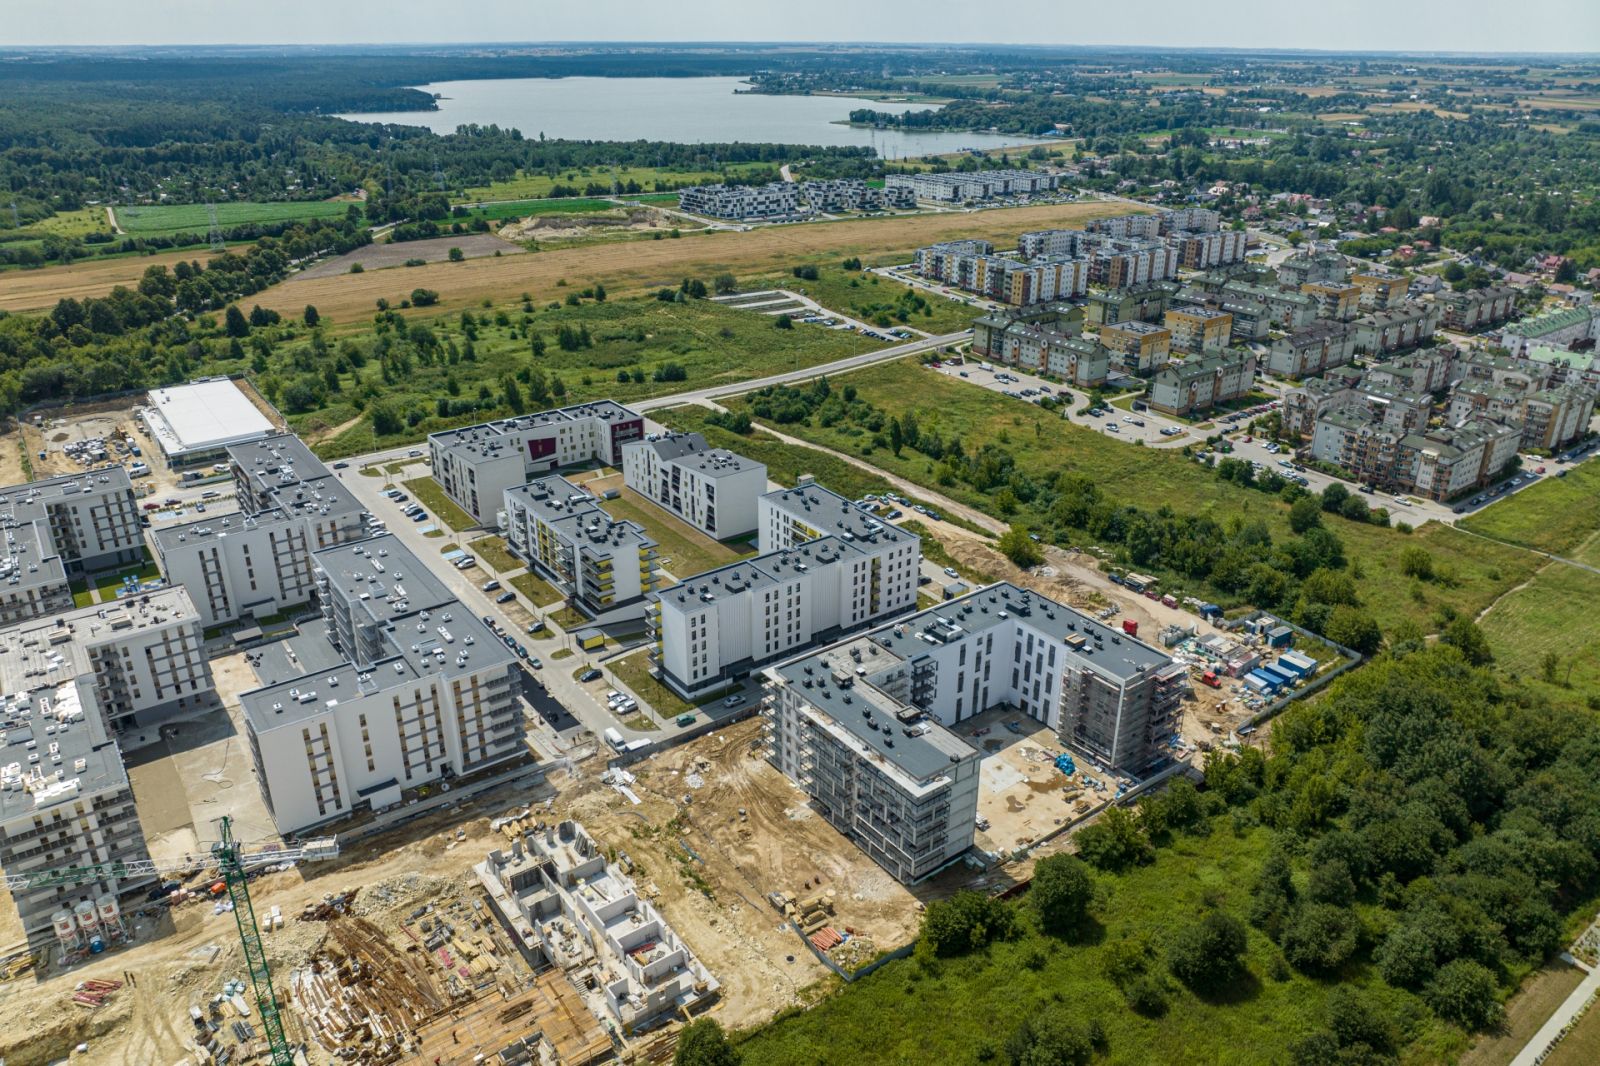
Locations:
217 244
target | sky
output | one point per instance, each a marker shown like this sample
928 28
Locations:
1365 25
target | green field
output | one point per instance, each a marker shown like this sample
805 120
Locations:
499 212
72 223
193 218
877 300
1555 612
712 343
1045 447
535 589
683 550
538 185
1558 515
962 1010
492 554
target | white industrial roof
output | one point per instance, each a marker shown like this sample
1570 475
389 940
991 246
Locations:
203 415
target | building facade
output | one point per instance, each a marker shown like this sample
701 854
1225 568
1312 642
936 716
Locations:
778 199
712 489
1137 347
1314 350
1199 329
1195 385
826 568
1477 308
402 687
604 566
477 464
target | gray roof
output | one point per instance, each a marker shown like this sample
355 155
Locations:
425 633
564 506
41 652
63 730
690 450
1106 650
830 514
894 731
762 571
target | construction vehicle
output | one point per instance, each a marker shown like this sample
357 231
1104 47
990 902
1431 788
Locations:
232 865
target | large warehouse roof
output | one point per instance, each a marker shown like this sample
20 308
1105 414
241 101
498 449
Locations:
203 415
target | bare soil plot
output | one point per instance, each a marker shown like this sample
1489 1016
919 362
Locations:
435 250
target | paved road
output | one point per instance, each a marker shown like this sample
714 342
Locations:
852 362
1587 989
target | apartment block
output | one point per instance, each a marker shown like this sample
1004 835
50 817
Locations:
979 185
989 331
826 568
1189 220
1195 385
34 574
1313 268
1553 329
1201 251
604 566
1379 291
1199 329
1477 308
1285 309
966 265
559 896
853 194
259 562
64 801
1334 300
864 727
1038 343
144 653
1137 347
89 520
1125 227
1547 418
477 464
1440 464
1138 303
778 199
1125 264
1313 350
712 489
399 687
1406 325
1423 371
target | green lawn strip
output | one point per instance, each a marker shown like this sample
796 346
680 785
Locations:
569 619
540 185
512 209
107 586
561 653
446 510
876 300
684 550
535 589
1008 983
1558 515
634 671
493 553
194 218
1548 632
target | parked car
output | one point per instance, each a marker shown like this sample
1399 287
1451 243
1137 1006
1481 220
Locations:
590 674
733 701
490 585
533 661
951 571
505 597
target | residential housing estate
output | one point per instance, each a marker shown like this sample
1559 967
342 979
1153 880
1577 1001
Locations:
826 568
712 489
864 727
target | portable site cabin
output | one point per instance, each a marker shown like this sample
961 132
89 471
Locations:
1261 682
1280 637
1305 665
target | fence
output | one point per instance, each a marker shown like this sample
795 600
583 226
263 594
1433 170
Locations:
847 975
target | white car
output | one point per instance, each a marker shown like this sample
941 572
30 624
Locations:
733 701
1401 500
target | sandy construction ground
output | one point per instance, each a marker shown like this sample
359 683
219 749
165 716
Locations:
638 265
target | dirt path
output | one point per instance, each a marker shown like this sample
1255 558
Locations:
111 219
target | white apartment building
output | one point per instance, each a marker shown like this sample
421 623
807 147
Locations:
557 895
1200 251
712 489
1404 325
603 565
477 464
144 652
863 726
778 199
58 528
1318 348
64 802
1127 226
826 568
259 562
980 185
400 686
853 194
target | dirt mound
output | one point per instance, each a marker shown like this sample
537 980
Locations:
578 227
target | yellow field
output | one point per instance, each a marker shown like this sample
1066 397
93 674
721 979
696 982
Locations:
634 266
36 290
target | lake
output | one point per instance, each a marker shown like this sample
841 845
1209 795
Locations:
683 110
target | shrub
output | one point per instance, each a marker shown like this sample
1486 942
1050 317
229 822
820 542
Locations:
1208 954
1464 992
964 923
1061 892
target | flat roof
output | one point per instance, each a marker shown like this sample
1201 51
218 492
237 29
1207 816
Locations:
832 515
203 415
54 749
41 652
691 451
